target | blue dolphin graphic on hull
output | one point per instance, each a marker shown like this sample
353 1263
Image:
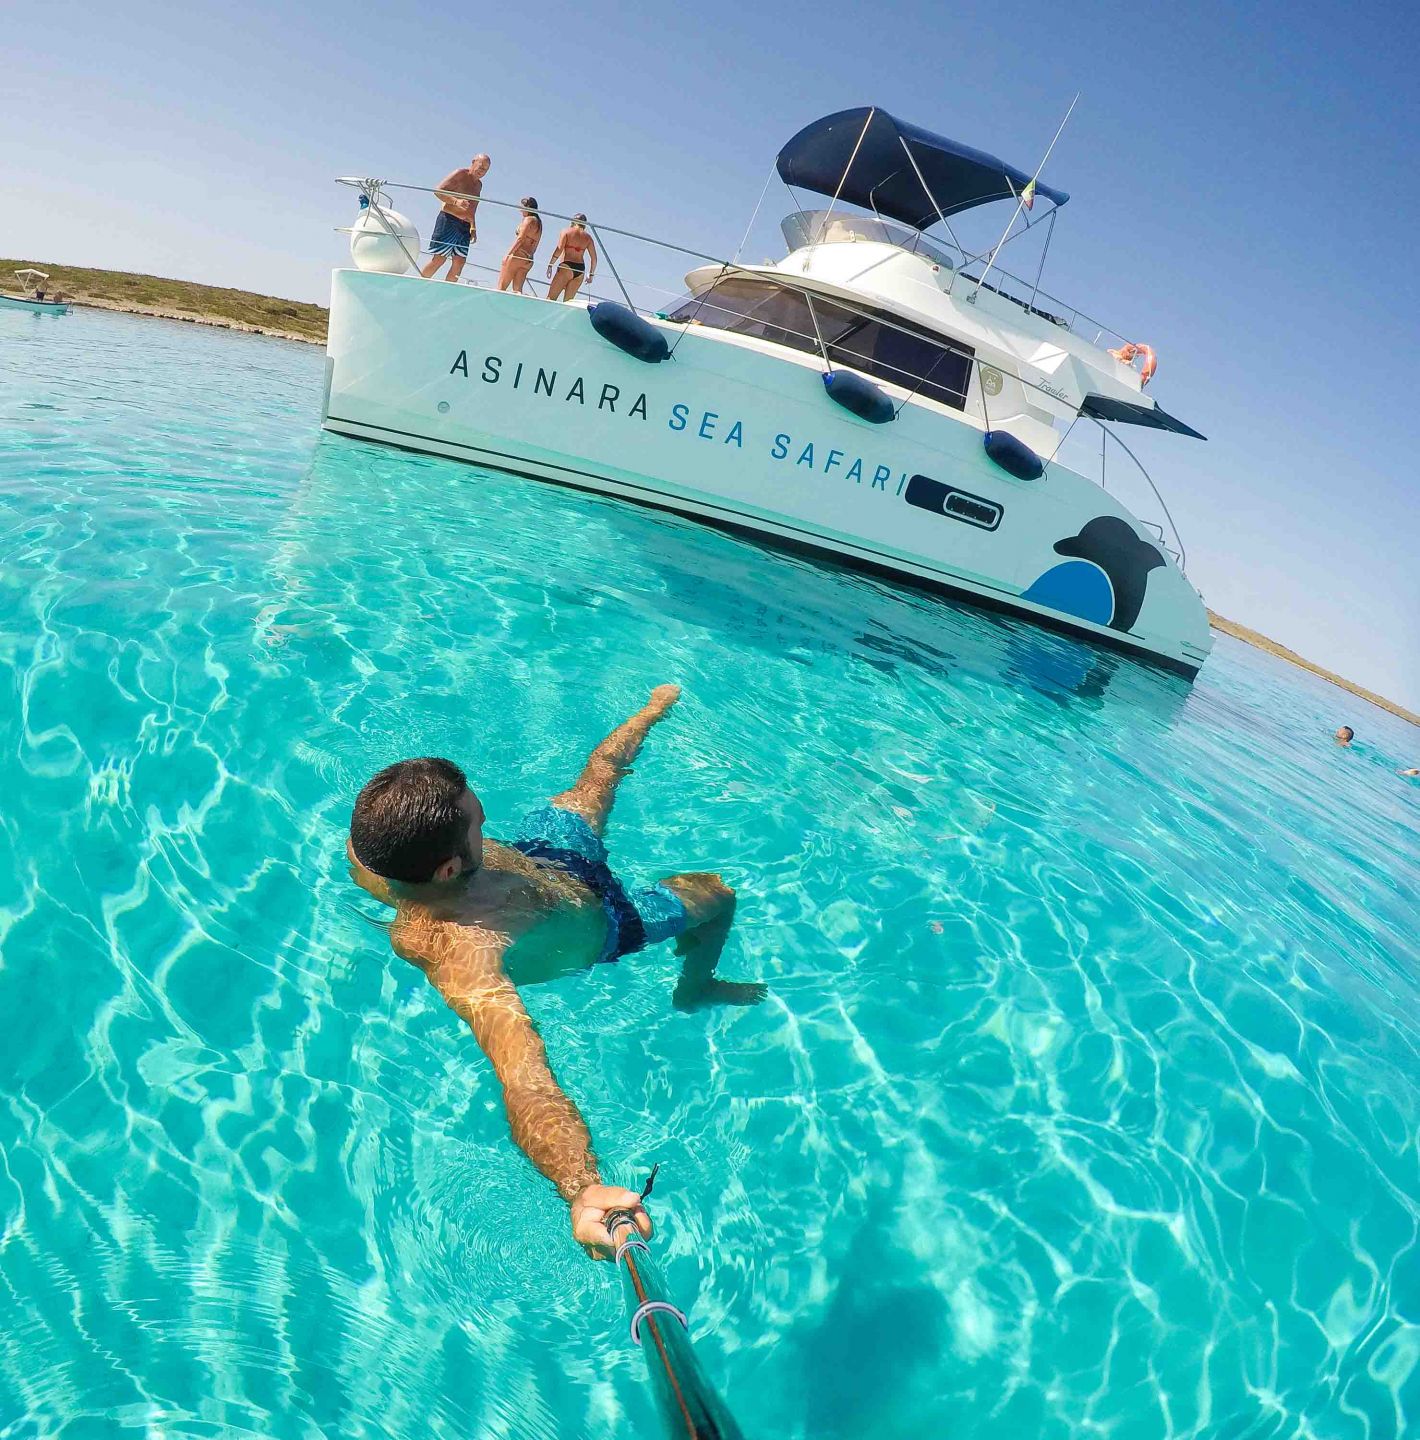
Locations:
1105 578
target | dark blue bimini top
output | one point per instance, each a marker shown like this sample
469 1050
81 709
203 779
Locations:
882 178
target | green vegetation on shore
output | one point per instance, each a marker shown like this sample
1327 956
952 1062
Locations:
178 300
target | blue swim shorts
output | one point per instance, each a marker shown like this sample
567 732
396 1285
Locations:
635 919
450 235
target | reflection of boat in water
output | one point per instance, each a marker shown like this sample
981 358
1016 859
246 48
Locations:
871 396
34 285
657 574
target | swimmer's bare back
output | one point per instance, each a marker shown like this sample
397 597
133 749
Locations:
463 958
460 932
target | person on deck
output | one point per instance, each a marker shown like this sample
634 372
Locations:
455 226
523 251
577 253
479 917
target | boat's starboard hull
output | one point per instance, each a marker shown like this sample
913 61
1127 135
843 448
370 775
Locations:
745 438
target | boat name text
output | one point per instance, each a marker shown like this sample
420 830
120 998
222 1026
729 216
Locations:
684 419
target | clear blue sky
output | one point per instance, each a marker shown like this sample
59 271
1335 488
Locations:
1243 182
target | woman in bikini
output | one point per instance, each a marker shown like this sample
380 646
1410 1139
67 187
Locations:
577 252
518 261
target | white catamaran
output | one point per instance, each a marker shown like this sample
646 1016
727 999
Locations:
886 400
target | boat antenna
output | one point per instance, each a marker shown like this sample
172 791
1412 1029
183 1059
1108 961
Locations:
690 1409
1021 199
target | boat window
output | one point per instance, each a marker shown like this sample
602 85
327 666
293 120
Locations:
827 227
751 307
905 359
890 350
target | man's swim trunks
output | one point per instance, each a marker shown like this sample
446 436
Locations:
450 235
634 920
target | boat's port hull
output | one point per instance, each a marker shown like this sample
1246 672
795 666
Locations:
746 439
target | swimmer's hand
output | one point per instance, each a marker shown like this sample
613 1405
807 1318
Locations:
662 698
590 1207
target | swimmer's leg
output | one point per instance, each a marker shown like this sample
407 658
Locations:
592 796
709 912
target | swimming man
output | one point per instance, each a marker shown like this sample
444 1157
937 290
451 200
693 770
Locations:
455 226
479 917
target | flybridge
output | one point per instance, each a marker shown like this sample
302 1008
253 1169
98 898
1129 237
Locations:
868 158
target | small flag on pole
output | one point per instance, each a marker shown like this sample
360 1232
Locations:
1028 195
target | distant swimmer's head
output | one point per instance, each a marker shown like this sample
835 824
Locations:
417 821
479 165
1345 735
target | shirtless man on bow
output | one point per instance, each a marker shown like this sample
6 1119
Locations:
455 226
479 917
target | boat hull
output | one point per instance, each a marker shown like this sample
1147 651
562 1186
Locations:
746 438
35 307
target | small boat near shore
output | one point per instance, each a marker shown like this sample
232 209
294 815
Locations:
893 402
34 296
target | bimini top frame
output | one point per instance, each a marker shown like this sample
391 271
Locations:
868 158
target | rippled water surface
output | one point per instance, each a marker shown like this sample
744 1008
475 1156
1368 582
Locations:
1084 1102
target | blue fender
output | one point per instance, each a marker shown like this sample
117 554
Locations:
1014 456
628 331
859 396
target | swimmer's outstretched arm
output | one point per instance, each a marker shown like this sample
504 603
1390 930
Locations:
546 1125
593 794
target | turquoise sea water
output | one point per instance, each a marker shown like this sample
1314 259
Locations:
1084 1103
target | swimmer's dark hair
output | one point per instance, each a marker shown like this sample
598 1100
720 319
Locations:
407 820
1350 733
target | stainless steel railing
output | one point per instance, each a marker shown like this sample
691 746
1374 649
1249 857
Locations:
656 295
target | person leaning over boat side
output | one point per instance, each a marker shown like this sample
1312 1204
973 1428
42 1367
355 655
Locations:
478 917
577 252
523 251
455 226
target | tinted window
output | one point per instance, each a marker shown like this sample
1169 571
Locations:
750 307
906 359
889 350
